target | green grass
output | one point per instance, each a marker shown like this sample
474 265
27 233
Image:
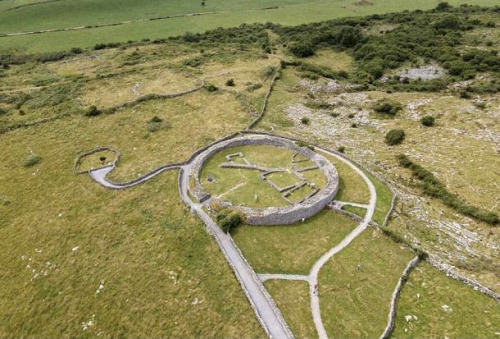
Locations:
152 255
293 300
228 14
352 187
301 193
242 186
356 210
472 315
284 179
356 285
315 176
292 248
384 199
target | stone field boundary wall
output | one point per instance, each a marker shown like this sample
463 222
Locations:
272 215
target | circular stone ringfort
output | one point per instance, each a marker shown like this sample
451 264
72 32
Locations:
316 199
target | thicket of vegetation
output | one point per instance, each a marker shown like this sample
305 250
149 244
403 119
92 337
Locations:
417 36
229 219
387 107
431 186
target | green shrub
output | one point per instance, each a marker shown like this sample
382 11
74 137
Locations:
302 49
32 160
212 88
305 120
428 120
388 107
443 6
395 137
404 161
230 83
76 50
228 219
92 111
341 149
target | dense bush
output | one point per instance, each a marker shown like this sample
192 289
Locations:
305 120
228 219
230 83
302 49
395 137
388 107
428 120
431 186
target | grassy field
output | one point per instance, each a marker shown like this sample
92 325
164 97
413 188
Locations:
292 248
293 300
384 199
356 210
159 269
222 13
83 261
356 285
352 187
444 307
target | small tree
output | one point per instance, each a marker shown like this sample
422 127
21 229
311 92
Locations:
230 83
305 120
228 219
395 137
428 120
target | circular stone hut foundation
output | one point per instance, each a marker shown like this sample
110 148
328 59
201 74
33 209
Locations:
270 215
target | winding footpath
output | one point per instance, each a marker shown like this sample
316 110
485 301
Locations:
312 278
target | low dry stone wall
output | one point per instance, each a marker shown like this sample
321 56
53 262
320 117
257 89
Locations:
272 215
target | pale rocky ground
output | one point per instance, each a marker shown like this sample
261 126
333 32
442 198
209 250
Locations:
462 151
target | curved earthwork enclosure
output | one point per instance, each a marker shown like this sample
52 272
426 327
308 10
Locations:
293 211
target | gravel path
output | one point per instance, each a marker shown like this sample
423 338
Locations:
347 240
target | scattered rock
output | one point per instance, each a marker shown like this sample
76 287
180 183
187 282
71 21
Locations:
447 308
